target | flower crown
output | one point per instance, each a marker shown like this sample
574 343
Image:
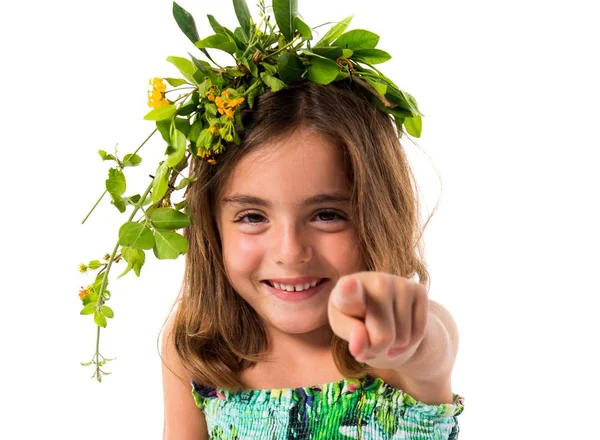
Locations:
206 117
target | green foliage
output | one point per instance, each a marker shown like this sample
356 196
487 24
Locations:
205 119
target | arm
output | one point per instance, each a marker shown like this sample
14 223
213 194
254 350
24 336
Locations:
183 420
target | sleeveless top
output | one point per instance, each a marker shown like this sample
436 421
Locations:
364 408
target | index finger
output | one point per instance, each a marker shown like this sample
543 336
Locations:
348 296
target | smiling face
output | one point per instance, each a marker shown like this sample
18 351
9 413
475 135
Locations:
283 214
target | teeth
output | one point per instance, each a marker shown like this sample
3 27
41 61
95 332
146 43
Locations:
297 288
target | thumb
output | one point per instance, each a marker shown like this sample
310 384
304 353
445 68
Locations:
348 297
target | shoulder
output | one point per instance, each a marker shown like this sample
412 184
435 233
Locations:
183 420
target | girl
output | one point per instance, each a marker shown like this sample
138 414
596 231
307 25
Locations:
298 317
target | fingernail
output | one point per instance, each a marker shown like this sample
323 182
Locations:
394 353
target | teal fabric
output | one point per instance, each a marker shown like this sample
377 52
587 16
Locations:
364 408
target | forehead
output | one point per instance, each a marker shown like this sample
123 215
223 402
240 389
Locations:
290 169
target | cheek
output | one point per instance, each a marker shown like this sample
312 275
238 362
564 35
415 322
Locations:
242 253
344 251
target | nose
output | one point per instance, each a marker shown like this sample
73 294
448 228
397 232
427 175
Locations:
292 245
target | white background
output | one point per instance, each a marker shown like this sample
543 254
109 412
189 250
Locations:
510 93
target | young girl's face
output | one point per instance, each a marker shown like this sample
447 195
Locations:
284 214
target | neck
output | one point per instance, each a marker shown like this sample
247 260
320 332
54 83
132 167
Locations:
299 349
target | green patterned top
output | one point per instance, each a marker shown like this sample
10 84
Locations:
365 408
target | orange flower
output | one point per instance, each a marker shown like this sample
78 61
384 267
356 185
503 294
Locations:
83 292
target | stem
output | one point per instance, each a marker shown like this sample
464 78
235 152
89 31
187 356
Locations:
94 207
138 205
142 144
105 191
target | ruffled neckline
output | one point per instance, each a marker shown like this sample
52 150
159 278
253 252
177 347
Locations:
331 392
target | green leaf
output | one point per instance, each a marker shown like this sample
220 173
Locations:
251 66
331 52
335 32
160 182
131 160
401 98
178 143
135 259
322 70
290 67
136 235
89 308
214 24
175 82
380 87
119 203
132 200
244 18
285 11
195 131
185 66
269 68
164 128
240 34
357 39
106 156
303 28
206 70
217 41
107 311
168 218
169 245
115 184
371 56
161 113
185 182
275 84
414 125
94 264
91 297
182 124
100 319
186 23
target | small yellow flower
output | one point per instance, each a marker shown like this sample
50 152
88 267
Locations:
226 93
229 113
210 96
106 257
213 129
83 292
83 268
156 96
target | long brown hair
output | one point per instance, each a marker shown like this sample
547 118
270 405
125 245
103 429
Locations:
216 334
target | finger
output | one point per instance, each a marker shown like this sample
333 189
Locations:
348 297
403 309
359 340
380 316
348 328
420 312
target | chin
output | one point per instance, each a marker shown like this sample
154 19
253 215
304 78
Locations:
297 324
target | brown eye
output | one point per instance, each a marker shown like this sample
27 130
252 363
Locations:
330 216
252 217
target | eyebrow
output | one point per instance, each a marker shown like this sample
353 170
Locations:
245 199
